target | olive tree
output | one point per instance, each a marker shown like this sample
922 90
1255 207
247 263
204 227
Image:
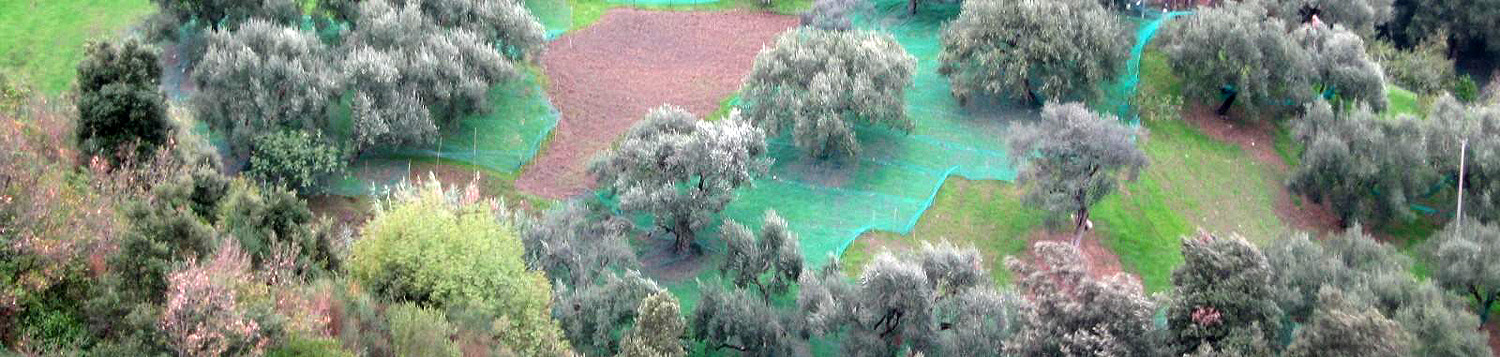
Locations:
1464 261
1360 16
1222 290
1346 328
771 262
821 85
738 320
1341 65
680 170
592 315
1464 143
1236 49
120 109
262 78
1465 23
936 301
227 14
1074 157
1361 166
1069 312
1363 269
1033 50
409 75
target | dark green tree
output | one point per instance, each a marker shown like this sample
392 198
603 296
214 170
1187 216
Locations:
120 110
1236 53
1072 313
1221 293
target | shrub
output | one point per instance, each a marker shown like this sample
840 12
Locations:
293 159
119 104
203 315
417 331
428 247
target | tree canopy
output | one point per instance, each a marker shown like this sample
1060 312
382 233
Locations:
681 170
1235 49
1068 310
261 78
1363 167
1033 50
821 85
1464 261
120 110
1074 157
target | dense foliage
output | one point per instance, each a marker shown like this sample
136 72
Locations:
1074 157
680 170
1033 50
823 85
294 159
120 110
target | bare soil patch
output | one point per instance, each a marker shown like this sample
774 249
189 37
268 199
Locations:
606 77
1102 261
1256 139
1493 328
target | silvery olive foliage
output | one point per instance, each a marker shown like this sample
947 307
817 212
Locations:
1222 297
263 77
821 85
1464 261
409 75
1033 50
1237 48
592 315
1360 16
1344 328
1341 65
1074 157
738 320
1068 312
577 243
937 301
228 14
1365 270
771 261
681 170
1351 156
1478 124
833 14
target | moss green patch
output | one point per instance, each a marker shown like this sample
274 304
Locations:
1402 101
41 42
988 215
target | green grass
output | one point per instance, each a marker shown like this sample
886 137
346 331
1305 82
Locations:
586 12
1402 101
41 42
988 215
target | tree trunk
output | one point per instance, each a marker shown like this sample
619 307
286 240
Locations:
1031 95
685 236
1484 308
911 6
1078 227
1224 108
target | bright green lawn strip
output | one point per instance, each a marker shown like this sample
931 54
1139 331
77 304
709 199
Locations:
1402 101
41 42
586 12
988 215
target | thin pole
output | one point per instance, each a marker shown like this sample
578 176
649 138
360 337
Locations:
1463 148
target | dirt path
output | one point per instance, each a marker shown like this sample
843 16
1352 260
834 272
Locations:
1256 139
606 77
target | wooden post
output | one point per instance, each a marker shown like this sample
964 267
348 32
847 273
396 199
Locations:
1462 148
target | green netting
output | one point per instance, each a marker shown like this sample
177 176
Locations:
555 15
896 179
500 139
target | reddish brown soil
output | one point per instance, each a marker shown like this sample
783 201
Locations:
1256 139
1102 261
607 76
1494 331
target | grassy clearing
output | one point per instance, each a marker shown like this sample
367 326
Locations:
988 215
1402 101
586 12
41 42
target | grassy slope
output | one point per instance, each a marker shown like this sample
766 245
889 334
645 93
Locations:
41 42
988 215
1193 181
